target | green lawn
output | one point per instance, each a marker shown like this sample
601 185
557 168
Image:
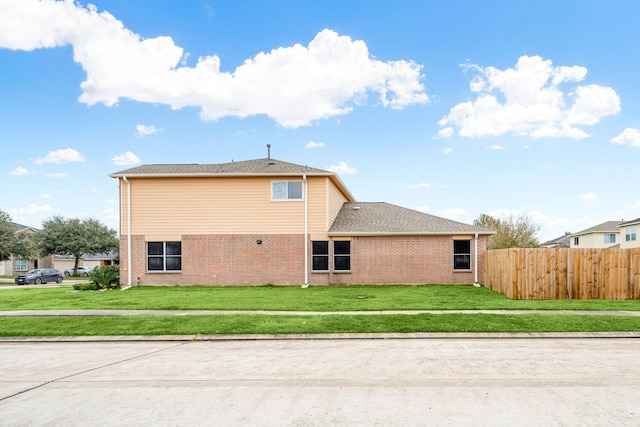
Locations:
264 324
272 298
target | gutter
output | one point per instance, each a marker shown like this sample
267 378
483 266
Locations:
124 178
475 261
306 231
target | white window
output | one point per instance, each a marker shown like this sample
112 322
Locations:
164 256
609 238
630 234
576 241
286 190
462 254
342 255
20 265
320 255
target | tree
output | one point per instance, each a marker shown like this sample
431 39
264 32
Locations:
75 237
511 231
7 236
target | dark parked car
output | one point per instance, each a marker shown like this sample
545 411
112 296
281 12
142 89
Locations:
82 271
40 275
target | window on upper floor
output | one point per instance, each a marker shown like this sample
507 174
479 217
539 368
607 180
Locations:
286 190
462 254
164 256
576 241
630 234
609 238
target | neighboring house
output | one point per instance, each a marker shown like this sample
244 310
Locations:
559 242
62 262
271 222
15 266
629 234
605 235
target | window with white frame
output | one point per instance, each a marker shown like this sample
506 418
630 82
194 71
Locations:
164 256
286 190
339 251
630 234
342 255
576 241
462 254
609 238
320 255
20 265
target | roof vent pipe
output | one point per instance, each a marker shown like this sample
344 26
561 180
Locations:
269 151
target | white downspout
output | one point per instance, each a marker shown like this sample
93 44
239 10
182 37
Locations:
124 178
306 232
475 261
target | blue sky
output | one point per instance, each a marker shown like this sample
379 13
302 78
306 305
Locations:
454 108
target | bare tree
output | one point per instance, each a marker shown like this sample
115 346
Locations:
512 231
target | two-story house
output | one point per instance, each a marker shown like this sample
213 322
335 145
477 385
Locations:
628 234
605 235
18 265
267 221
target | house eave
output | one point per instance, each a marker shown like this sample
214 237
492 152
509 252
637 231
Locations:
406 233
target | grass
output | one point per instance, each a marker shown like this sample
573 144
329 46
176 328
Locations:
306 324
274 298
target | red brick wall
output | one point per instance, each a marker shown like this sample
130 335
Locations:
239 260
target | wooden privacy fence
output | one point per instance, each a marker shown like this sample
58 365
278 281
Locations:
563 273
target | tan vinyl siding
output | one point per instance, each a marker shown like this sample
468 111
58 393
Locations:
317 211
335 202
169 206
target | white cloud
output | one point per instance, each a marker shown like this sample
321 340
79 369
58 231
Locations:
452 213
424 208
67 155
20 171
421 185
57 175
447 132
528 100
495 147
124 159
144 130
312 144
587 197
447 150
31 209
636 205
628 136
342 168
44 196
111 202
292 85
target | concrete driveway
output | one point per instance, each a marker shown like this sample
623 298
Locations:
366 382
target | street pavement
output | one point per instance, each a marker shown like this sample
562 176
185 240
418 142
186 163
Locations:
448 381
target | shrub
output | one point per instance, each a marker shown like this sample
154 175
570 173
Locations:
106 277
86 287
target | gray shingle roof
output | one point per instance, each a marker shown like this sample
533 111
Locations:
377 218
605 227
248 167
558 242
633 221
